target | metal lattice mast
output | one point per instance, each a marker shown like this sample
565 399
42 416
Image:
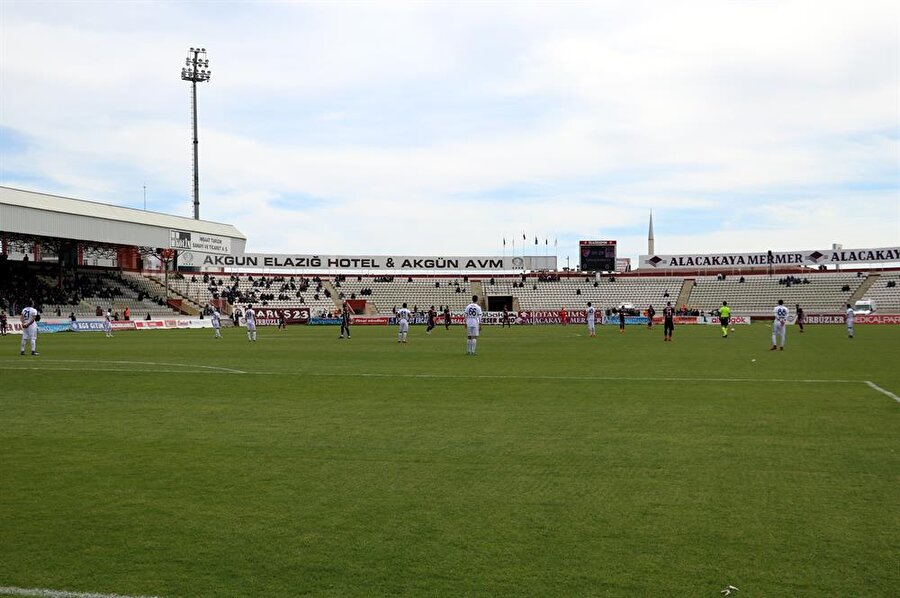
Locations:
196 70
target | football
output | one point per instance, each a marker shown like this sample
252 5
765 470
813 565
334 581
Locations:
37 318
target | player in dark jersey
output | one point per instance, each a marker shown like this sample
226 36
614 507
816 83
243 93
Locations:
447 318
668 321
505 320
2 323
432 314
345 320
650 313
622 320
800 317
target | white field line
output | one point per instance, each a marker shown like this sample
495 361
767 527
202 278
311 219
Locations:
882 390
44 593
178 365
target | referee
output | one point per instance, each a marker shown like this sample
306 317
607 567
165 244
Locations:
724 315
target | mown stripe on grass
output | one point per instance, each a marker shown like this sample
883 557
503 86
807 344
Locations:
45 593
523 376
115 370
526 376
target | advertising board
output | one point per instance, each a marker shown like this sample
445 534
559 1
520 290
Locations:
270 316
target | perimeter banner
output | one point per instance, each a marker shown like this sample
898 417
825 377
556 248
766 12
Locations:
488 318
268 316
370 320
878 319
87 326
578 316
710 320
629 320
97 325
44 328
324 322
777 259
842 319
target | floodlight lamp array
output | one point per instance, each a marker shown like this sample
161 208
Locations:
196 68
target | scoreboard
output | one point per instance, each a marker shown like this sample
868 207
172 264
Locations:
597 256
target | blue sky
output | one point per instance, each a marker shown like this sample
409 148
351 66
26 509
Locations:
428 128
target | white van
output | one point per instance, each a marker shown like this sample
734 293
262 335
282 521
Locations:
864 307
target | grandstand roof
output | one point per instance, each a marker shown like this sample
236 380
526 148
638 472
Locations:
33 213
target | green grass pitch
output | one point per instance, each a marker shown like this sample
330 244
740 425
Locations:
550 464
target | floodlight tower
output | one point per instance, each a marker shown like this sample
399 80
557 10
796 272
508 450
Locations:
196 70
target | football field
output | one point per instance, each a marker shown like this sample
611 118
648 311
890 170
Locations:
550 464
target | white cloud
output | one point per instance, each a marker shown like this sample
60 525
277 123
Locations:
403 120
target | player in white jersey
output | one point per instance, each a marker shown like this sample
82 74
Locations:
780 325
473 324
250 320
107 324
216 322
850 318
29 321
591 320
402 323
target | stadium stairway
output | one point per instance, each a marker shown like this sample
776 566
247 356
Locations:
151 283
685 294
478 289
335 294
863 288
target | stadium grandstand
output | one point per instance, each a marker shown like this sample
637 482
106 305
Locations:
79 258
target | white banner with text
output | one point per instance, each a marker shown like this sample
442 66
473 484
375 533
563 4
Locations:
387 263
775 259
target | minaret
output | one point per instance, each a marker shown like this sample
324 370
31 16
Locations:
651 250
